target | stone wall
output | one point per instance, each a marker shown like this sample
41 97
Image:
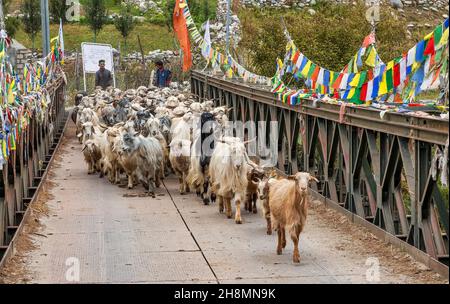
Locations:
435 5
19 56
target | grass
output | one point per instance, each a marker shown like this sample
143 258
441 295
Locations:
152 37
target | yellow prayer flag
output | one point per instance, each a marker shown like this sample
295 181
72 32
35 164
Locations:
427 37
10 96
383 86
230 73
305 70
390 65
370 61
351 93
355 64
444 38
355 80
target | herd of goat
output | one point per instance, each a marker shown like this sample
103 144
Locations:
148 133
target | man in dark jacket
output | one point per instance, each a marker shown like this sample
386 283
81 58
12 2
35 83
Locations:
162 76
103 77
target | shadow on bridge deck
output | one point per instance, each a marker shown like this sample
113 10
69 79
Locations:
117 236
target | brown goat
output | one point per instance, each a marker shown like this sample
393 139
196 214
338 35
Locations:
288 203
254 176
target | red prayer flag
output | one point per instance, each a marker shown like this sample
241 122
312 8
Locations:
396 75
370 39
430 47
181 32
296 55
337 83
362 95
315 74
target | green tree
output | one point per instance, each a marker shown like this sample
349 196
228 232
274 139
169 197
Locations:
12 24
31 19
125 23
168 13
96 15
58 10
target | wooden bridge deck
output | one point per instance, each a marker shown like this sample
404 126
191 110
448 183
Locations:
118 236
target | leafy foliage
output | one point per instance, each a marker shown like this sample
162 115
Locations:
125 23
31 18
330 37
96 15
12 24
58 10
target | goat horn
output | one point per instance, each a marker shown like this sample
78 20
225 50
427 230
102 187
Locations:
313 178
84 148
248 141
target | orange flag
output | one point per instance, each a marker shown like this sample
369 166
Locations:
181 31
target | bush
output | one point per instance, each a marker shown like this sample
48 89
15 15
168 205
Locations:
330 37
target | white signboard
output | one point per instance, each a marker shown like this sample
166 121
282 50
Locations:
94 52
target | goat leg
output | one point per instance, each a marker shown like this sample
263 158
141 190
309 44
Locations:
295 233
279 247
180 180
283 235
130 180
237 217
269 225
254 199
151 188
228 206
220 198
205 193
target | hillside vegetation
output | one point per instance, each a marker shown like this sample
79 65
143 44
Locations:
330 37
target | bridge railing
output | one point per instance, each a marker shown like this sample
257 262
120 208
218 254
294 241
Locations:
24 169
381 170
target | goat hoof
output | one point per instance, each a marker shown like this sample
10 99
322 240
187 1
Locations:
269 232
296 260
206 201
255 211
279 251
229 216
152 194
238 221
198 193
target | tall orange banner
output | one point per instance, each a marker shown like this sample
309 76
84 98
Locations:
181 31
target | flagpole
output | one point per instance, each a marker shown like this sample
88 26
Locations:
2 18
228 28
45 22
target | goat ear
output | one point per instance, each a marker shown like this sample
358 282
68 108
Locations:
312 178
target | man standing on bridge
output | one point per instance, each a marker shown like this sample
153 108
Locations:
103 76
163 76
